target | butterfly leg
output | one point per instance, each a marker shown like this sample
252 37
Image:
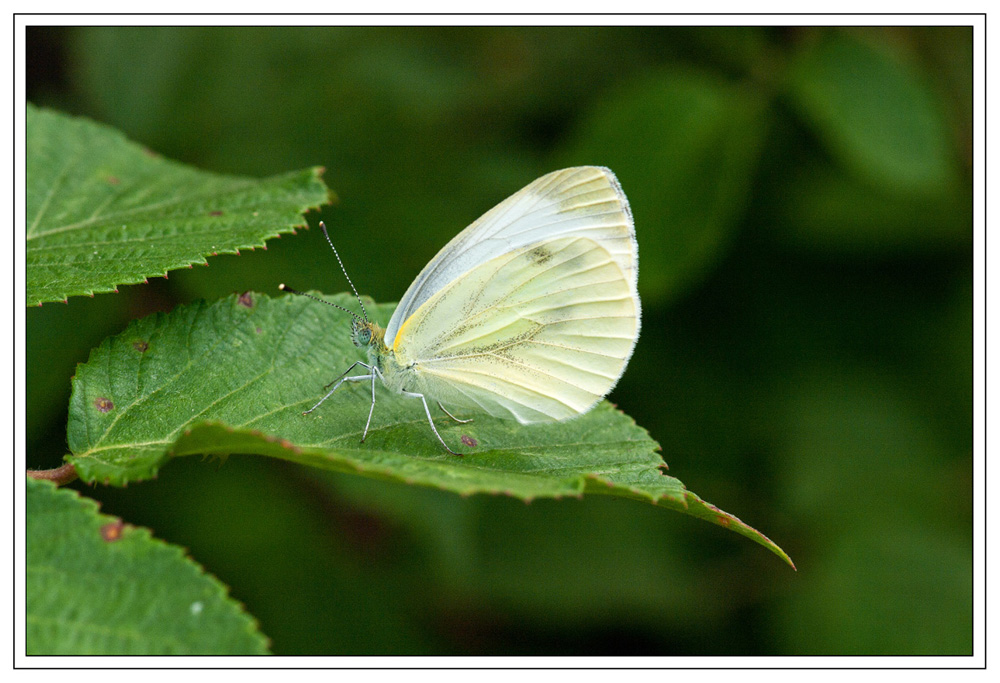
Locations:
427 410
371 410
343 378
452 416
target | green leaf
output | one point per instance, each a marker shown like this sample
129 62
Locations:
103 211
822 209
235 376
929 552
875 114
685 147
97 586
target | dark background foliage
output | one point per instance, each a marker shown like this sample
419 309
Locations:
803 207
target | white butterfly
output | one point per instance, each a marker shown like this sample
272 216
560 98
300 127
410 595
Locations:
529 313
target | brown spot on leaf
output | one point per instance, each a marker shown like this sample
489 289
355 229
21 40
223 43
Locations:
289 446
469 441
141 346
215 213
246 299
722 521
112 531
113 180
104 404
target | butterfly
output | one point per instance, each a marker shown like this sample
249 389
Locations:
531 313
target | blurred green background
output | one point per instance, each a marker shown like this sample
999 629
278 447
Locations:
802 199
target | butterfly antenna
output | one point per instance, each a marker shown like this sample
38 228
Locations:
330 242
286 288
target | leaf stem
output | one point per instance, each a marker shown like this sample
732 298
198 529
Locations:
60 475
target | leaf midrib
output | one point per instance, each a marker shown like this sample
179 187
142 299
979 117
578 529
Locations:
238 186
52 191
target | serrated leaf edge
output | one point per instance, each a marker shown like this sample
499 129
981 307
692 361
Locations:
92 506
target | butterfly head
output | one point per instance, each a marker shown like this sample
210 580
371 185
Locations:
367 334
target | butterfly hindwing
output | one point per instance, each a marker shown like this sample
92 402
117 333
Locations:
540 333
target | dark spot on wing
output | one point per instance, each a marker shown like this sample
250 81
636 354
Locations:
540 255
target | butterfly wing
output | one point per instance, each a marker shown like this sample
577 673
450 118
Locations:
584 201
538 334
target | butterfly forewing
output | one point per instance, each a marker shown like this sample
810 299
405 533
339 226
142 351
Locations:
584 201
